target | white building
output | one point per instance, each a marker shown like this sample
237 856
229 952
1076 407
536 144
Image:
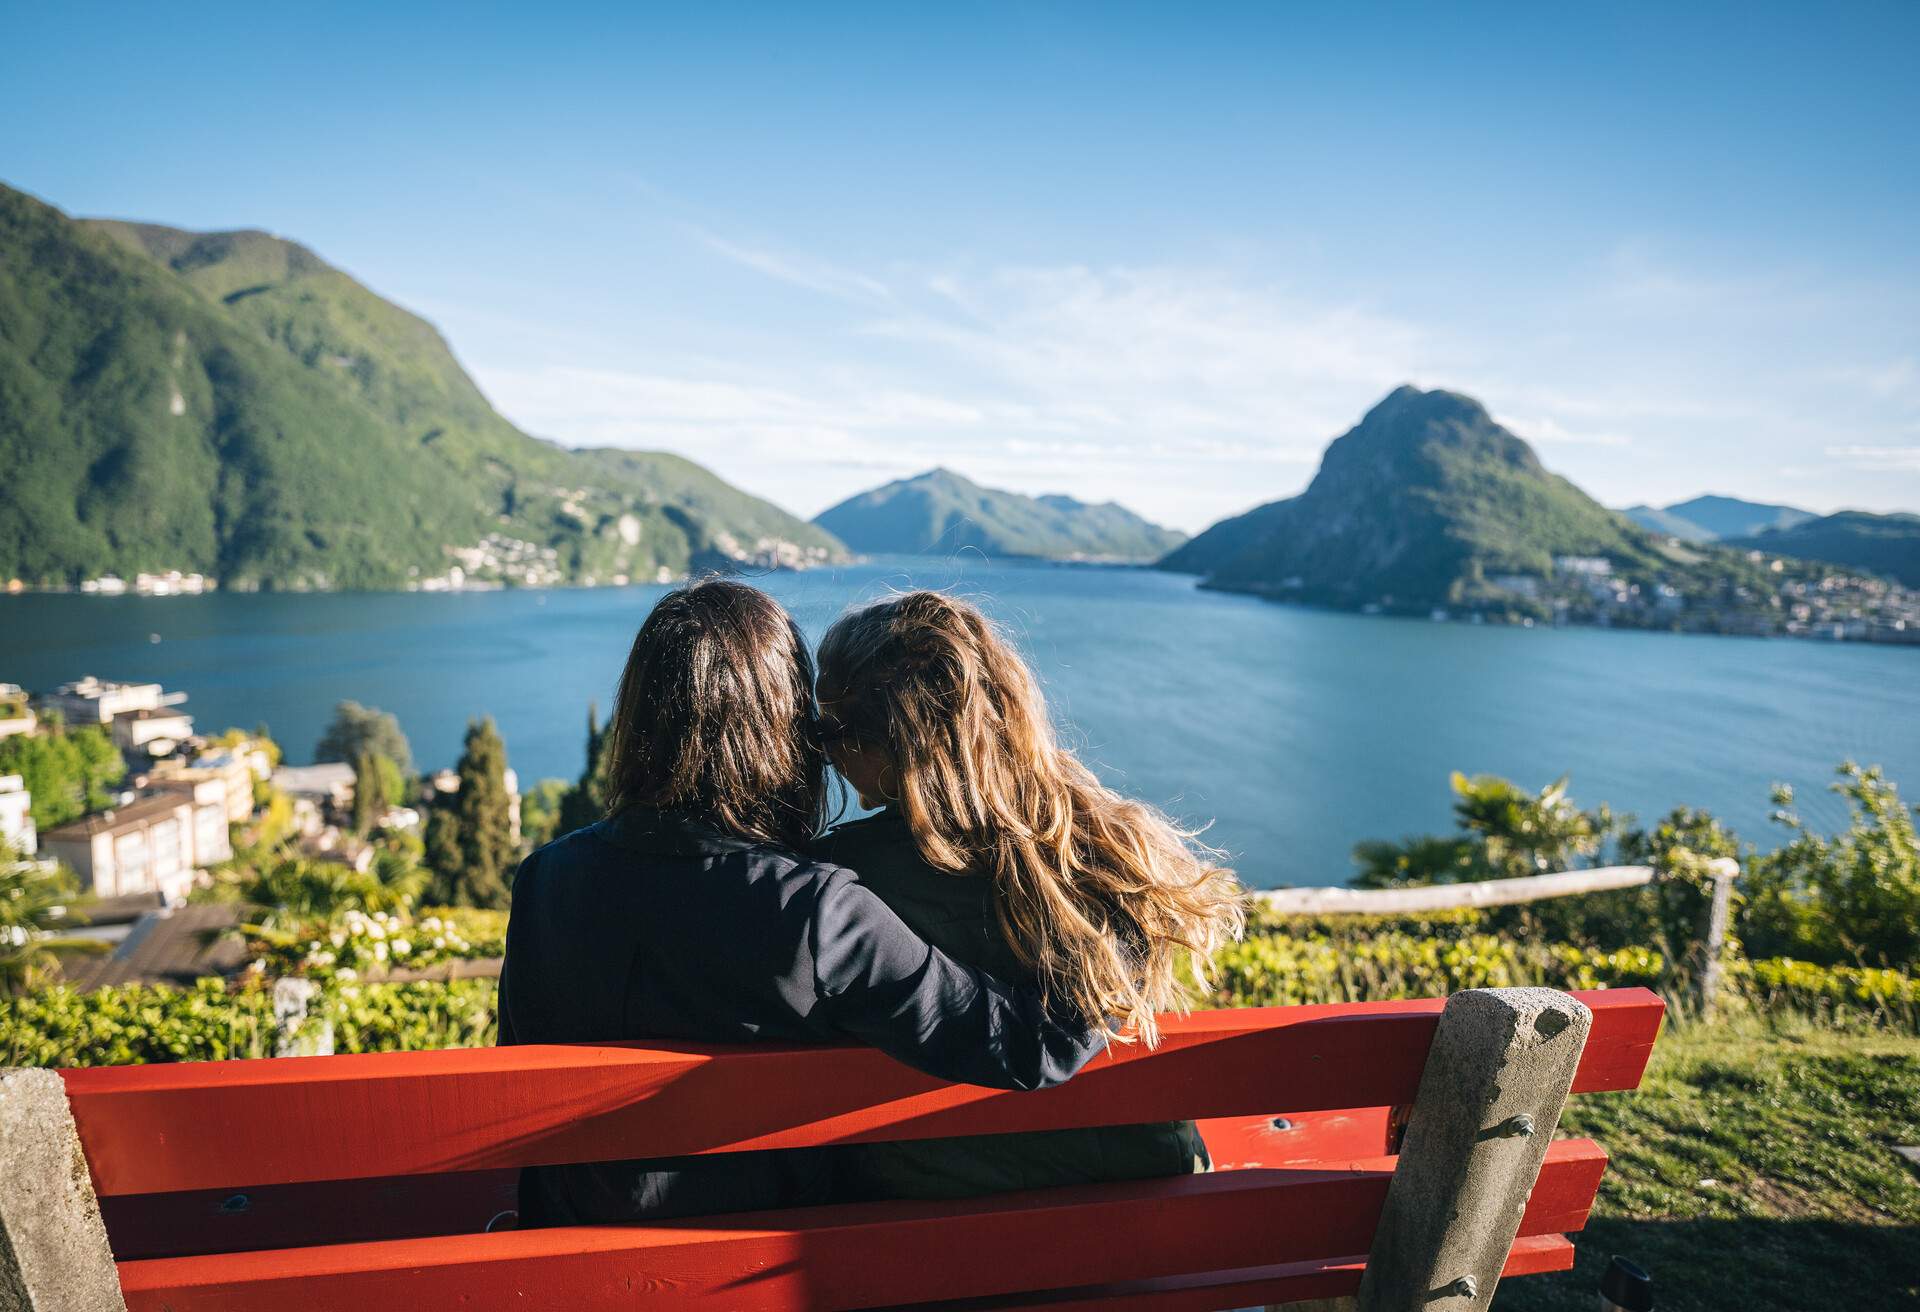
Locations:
16 816
211 843
145 846
235 768
155 730
1591 566
99 701
322 785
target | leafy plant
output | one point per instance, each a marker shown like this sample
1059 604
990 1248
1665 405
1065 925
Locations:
37 908
1852 896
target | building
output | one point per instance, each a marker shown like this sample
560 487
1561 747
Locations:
16 716
98 701
208 795
1591 566
155 730
321 794
234 769
1520 585
16 816
146 845
325 785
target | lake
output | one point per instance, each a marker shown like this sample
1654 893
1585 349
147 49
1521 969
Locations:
1295 732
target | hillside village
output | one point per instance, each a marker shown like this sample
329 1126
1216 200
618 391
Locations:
175 815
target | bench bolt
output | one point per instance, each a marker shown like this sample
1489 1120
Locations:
1465 1287
1517 1127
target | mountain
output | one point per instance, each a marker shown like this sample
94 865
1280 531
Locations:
1878 544
1710 518
939 512
1428 502
231 404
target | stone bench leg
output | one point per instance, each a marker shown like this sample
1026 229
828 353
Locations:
1495 1084
53 1247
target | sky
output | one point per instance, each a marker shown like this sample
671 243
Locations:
1161 254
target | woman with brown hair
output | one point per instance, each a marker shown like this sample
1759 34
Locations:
687 915
999 846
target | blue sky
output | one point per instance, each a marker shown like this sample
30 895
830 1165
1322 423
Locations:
1156 253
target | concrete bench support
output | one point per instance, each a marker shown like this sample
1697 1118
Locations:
1495 1083
53 1248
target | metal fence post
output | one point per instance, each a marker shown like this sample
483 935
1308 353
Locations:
53 1247
1495 1083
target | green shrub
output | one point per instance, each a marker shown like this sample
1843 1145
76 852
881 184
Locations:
1852 897
212 1021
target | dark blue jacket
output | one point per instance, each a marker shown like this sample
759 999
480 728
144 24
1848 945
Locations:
654 926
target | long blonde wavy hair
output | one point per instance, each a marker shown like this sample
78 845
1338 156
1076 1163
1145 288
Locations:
1115 908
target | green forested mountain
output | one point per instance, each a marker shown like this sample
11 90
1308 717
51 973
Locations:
230 403
1878 544
1711 518
940 511
1429 502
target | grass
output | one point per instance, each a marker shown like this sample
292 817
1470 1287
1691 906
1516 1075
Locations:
1754 1169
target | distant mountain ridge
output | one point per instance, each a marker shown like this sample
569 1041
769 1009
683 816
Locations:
229 403
1711 518
1878 544
941 511
1428 503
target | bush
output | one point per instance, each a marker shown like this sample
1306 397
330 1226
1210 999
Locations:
212 1021
1852 897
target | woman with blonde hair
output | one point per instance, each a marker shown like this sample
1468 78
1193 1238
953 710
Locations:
997 844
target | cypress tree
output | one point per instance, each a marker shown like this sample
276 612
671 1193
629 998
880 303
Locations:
367 802
484 812
586 802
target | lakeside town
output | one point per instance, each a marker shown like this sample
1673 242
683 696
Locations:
1808 601
163 806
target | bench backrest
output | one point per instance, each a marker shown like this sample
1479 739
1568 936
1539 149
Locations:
320 1154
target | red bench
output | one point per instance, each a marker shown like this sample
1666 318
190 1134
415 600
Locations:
367 1182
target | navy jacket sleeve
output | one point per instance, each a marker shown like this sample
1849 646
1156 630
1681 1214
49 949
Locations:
882 983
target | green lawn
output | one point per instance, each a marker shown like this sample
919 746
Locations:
1755 1169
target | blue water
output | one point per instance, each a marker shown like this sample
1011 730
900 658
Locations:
1296 732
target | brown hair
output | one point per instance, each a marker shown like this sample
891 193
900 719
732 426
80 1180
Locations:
1102 896
715 717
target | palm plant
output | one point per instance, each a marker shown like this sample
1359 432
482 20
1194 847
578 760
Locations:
36 906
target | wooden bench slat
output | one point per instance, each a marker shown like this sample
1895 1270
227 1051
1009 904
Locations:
192 1126
848 1257
1294 1282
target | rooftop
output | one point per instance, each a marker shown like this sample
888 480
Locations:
141 810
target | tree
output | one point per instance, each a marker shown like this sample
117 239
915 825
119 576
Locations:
1523 833
377 786
356 729
586 802
540 812
470 839
68 772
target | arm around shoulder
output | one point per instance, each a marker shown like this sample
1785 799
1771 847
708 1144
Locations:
882 983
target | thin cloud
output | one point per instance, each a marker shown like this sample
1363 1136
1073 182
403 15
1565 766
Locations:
796 271
1905 459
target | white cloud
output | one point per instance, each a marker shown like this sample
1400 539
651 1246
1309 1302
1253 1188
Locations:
1186 391
1546 431
1905 459
1158 386
797 271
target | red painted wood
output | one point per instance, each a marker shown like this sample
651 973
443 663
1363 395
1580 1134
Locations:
159 1129
1252 1287
846 1257
1237 1143
241 1218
